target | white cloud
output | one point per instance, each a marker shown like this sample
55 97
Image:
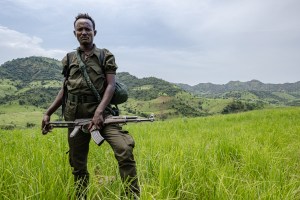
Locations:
14 44
188 41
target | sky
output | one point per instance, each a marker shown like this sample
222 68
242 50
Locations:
180 41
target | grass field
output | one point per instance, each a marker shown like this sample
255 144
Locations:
20 117
253 155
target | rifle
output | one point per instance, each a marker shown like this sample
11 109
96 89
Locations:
82 124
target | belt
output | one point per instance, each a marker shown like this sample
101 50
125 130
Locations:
81 98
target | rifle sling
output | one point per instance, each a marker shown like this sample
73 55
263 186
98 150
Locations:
86 76
89 82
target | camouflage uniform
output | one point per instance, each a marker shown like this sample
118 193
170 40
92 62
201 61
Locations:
82 103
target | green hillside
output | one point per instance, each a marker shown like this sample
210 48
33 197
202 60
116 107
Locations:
15 116
31 69
287 94
35 81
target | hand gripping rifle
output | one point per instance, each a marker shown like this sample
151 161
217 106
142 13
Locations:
82 124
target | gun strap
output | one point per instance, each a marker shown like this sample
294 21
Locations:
89 82
86 76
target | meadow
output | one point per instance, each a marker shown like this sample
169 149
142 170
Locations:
251 155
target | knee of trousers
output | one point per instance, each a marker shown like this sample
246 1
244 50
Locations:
124 154
78 153
78 164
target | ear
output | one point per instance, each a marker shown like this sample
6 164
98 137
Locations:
95 32
74 32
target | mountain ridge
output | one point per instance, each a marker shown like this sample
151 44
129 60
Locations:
44 71
253 85
36 81
31 68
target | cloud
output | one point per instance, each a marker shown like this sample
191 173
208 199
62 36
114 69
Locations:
188 41
14 44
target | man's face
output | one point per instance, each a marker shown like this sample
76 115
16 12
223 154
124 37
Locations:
84 31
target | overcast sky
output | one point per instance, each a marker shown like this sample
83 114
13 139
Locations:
181 41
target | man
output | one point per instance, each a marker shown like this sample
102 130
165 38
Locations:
82 103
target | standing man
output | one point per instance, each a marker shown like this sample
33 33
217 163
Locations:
81 102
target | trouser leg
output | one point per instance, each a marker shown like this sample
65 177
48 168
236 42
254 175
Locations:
78 154
122 144
81 185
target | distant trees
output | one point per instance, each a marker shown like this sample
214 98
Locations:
239 106
147 88
31 68
40 97
8 127
21 102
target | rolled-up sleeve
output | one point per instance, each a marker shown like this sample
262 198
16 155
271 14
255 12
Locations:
110 65
64 63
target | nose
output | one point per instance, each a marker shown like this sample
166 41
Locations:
84 32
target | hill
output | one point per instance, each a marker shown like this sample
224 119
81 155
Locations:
35 81
274 94
31 69
253 85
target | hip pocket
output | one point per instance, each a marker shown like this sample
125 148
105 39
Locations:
128 138
70 111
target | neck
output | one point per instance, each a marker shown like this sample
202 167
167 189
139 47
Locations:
87 48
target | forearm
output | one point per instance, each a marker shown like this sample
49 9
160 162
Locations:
98 121
56 103
108 94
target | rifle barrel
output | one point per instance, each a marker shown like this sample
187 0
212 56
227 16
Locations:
111 120
62 124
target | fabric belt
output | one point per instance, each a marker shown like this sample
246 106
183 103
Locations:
81 98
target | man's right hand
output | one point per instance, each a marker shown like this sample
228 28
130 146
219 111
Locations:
45 124
97 122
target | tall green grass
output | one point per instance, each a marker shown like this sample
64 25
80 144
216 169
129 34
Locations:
253 155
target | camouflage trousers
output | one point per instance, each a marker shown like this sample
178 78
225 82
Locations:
121 143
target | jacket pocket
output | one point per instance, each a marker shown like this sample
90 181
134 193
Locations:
97 77
75 78
70 111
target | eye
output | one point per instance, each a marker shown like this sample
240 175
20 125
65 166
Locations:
84 29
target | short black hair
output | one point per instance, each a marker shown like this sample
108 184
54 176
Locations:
85 16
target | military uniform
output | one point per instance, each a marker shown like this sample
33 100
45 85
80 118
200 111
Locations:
82 103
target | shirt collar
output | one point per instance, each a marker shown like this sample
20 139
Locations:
93 51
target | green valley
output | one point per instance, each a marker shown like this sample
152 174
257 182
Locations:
33 83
